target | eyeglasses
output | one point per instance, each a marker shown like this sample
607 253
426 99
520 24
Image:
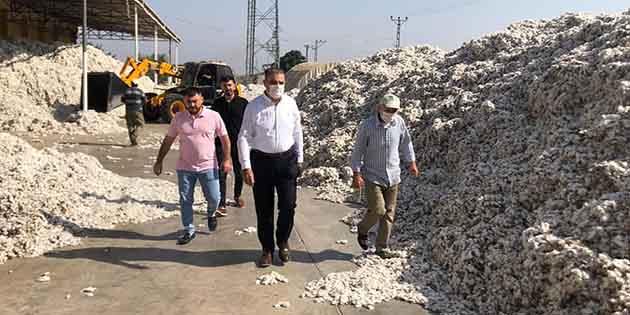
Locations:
390 110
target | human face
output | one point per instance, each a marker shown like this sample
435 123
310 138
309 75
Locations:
229 89
194 104
383 109
390 110
274 85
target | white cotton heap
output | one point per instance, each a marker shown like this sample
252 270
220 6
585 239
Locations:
50 198
40 89
523 205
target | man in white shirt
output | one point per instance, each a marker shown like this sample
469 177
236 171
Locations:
270 150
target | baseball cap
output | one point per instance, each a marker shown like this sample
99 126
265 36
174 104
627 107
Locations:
389 101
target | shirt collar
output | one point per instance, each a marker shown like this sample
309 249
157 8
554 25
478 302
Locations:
201 114
381 123
270 101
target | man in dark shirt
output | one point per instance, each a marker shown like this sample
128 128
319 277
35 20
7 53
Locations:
134 100
231 107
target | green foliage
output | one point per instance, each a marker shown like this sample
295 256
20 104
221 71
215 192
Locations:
290 59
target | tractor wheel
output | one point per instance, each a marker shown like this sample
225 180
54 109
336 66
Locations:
151 112
171 105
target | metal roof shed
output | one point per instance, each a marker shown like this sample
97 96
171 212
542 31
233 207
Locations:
103 19
106 19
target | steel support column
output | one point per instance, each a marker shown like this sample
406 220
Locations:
84 58
155 54
135 32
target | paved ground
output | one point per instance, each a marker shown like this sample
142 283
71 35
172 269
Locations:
138 269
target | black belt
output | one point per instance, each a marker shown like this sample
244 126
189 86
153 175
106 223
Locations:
281 155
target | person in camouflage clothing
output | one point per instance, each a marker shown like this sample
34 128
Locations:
134 100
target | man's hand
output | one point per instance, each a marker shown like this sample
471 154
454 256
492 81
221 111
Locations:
299 170
157 168
248 176
227 166
357 181
413 169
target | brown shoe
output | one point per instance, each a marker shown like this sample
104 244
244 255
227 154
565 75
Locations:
265 260
240 202
283 253
221 212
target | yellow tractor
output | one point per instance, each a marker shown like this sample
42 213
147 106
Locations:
105 88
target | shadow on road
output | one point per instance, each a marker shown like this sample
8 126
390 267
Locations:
127 256
79 231
97 144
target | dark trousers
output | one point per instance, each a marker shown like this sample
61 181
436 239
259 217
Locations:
279 174
135 122
238 178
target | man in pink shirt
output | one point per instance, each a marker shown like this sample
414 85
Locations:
197 128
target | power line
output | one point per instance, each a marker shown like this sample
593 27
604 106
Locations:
318 43
399 22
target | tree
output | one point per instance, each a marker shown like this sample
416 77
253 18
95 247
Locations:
290 59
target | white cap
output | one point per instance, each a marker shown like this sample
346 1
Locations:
389 101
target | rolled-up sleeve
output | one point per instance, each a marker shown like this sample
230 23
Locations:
298 136
406 145
360 146
220 129
245 136
172 129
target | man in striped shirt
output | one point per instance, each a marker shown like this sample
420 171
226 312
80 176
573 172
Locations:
381 141
134 100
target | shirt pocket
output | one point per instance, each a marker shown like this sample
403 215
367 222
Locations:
377 147
265 120
286 119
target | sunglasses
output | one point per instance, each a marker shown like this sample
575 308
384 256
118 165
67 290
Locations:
390 110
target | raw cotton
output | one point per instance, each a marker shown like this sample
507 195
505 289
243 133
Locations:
49 199
522 137
40 89
282 304
271 279
374 282
252 91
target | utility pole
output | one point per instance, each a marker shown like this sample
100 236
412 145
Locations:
307 46
255 43
316 46
251 37
399 22
276 37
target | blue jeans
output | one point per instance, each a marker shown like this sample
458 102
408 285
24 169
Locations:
186 181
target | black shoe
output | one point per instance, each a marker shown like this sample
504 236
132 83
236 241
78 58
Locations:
283 253
385 254
362 239
186 238
212 224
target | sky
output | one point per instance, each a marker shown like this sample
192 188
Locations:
216 30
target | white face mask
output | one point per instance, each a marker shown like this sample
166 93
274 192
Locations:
387 117
276 91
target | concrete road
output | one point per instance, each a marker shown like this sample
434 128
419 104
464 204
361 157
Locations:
138 269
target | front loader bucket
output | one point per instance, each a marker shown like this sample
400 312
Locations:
104 91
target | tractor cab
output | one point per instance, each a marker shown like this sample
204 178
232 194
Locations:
206 76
